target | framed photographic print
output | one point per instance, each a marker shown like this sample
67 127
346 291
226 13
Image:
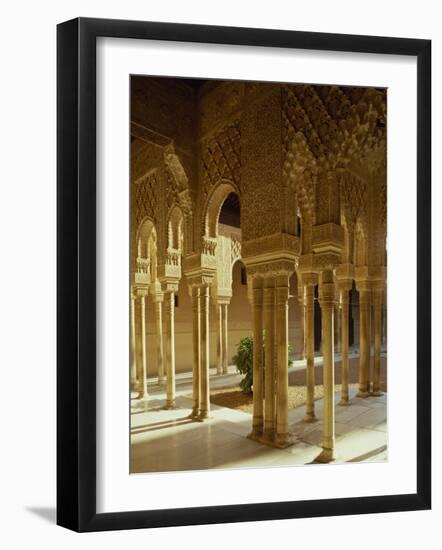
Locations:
243 274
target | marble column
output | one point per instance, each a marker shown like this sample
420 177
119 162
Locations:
219 366
169 304
282 341
309 297
258 372
338 318
159 329
364 340
196 365
269 356
301 302
133 339
327 303
143 379
344 290
225 346
377 326
204 352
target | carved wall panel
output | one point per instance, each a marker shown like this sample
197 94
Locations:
261 162
221 157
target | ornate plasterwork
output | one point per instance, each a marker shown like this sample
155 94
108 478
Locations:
228 251
328 237
271 268
353 193
178 191
262 200
271 247
340 125
221 157
209 246
286 150
235 250
146 197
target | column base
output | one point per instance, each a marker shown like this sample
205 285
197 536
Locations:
203 415
225 371
310 417
344 402
194 415
325 456
255 434
362 394
142 396
280 441
219 372
161 381
170 404
377 393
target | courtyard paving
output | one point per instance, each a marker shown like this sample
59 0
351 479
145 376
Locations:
167 440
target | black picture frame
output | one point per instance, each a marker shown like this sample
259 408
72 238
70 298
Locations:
76 273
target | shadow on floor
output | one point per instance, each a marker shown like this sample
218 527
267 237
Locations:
161 425
46 513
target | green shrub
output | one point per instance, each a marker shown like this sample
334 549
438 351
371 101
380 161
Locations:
243 360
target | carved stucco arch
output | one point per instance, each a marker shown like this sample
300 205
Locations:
144 246
214 204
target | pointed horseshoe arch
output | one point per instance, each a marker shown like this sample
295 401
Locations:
214 204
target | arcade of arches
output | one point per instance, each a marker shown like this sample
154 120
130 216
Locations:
258 209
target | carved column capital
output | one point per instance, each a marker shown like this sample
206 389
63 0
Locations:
141 290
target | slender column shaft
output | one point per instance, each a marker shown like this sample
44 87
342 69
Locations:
225 346
269 327
327 305
282 334
310 351
338 327
204 352
143 381
219 367
258 378
196 366
133 349
364 341
303 323
170 348
160 349
344 348
377 342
